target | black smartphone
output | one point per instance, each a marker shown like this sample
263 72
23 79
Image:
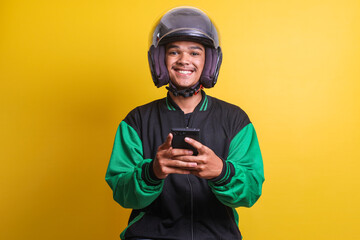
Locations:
179 135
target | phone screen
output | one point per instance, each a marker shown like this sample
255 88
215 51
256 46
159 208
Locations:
179 135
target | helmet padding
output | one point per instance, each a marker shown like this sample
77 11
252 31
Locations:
213 58
158 66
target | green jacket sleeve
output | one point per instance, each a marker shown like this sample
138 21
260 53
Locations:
240 183
129 175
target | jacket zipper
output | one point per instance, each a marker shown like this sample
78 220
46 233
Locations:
191 209
191 188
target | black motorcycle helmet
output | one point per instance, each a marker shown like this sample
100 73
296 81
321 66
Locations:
185 24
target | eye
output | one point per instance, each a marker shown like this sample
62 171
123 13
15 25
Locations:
173 53
195 53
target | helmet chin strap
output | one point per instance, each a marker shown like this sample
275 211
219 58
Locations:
185 92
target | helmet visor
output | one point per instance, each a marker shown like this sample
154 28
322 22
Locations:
185 24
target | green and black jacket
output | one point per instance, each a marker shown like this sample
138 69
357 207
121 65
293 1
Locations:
185 206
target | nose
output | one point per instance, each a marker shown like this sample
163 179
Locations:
183 59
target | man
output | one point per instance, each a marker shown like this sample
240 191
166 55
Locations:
175 194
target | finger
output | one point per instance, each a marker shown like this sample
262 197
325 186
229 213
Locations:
194 143
189 159
167 143
180 171
180 152
181 164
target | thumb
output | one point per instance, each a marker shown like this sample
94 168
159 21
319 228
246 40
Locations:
167 143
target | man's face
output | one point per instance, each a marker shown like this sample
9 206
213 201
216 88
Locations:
185 63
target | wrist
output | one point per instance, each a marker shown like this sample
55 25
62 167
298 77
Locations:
148 174
227 172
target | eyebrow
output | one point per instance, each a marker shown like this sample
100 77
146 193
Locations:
191 47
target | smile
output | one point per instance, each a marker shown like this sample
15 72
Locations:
183 71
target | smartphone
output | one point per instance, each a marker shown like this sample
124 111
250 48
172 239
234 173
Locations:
179 135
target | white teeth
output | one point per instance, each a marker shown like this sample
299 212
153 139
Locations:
184 72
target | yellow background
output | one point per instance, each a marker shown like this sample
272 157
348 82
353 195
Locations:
71 70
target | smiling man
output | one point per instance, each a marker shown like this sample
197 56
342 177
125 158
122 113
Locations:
179 193
185 62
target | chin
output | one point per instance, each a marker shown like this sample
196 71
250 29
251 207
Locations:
184 85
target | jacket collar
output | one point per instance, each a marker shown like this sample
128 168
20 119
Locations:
204 104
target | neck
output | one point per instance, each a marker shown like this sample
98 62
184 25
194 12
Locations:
188 104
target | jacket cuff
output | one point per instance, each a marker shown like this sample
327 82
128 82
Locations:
227 172
149 176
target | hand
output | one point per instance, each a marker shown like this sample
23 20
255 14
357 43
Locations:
209 165
166 161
